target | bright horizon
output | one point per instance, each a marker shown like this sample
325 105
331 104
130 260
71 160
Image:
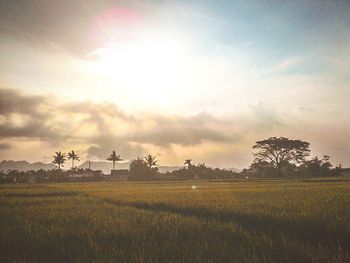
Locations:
177 79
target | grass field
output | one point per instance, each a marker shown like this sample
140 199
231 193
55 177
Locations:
262 221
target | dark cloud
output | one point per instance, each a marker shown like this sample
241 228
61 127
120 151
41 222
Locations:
100 128
45 118
45 22
12 101
35 129
127 150
60 24
23 117
5 146
51 120
185 131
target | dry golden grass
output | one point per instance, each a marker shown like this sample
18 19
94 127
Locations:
267 221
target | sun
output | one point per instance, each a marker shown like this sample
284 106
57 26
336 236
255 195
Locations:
146 58
149 62
136 58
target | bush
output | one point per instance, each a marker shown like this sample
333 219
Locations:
139 170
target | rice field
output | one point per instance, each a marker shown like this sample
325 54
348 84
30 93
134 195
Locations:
243 221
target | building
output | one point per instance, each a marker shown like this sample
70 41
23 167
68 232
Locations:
81 174
118 175
345 172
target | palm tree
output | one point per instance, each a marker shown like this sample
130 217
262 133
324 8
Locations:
114 158
201 165
188 162
150 160
73 156
59 159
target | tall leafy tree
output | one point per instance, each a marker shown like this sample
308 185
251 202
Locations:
74 157
114 158
59 159
280 151
150 160
139 170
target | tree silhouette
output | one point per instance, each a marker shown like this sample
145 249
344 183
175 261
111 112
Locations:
73 156
114 158
280 151
139 169
188 162
201 165
59 159
319 167
150 160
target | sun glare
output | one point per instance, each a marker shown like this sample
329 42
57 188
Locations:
150 66
148 62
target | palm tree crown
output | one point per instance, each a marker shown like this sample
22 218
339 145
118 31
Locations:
188 162
114 158
59 159
151 160
73 156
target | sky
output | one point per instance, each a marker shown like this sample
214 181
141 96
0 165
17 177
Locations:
178 79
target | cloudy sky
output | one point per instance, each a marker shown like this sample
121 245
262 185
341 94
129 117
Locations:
180 79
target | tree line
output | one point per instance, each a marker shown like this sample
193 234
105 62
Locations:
286 157
273 157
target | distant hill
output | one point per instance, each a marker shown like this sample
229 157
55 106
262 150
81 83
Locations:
6 165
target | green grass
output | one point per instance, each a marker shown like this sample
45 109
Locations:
262 221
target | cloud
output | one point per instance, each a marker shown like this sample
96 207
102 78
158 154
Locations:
102 127
22 117
13 101
104 143
5 146
59 25
48 123
191 130
283 67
